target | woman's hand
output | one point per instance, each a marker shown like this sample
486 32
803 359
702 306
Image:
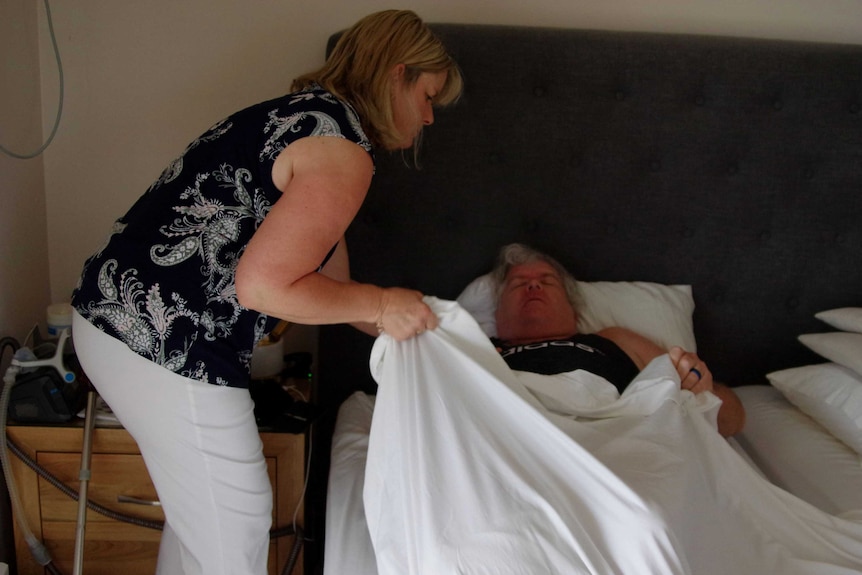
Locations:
694 375
403 314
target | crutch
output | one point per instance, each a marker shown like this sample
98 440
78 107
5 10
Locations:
84 478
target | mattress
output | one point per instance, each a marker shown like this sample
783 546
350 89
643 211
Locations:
798 454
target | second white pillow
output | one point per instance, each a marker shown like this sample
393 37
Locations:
844 348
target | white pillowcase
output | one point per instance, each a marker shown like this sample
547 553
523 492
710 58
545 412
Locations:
840 347
480 299
828 393
662 313
843 318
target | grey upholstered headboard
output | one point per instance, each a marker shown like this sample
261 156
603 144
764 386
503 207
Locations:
733 165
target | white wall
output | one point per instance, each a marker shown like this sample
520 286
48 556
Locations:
24 288
144 78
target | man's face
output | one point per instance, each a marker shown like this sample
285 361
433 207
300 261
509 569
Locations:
533 305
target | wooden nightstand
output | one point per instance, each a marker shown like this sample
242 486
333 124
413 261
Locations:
113 546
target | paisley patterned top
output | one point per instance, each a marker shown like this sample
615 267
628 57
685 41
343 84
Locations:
164 282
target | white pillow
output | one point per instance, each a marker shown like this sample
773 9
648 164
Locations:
828 393
838 346
659 312
480 299
843 318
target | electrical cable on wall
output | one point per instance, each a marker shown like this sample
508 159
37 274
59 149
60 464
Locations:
27 156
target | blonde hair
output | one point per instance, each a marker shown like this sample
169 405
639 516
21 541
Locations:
358 69
518 254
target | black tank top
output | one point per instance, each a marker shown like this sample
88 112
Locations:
590 352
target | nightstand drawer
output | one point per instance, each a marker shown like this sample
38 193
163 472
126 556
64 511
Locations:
112 475
110 547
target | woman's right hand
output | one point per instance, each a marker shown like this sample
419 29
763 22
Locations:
403 314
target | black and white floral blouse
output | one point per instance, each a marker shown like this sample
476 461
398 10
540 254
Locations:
164 283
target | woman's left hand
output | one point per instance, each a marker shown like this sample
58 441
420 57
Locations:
694 375
404 314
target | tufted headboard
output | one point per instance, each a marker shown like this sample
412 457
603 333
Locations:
733 165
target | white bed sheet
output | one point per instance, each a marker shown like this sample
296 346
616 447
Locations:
348 548
581 513
797 453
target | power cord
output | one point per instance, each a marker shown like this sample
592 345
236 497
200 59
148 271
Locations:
27 156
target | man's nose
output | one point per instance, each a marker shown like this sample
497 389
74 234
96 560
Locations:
534 284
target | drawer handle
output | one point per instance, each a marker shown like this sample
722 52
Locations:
136 501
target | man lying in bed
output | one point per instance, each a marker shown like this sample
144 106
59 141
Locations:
537 331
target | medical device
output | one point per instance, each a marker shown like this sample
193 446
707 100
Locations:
45 389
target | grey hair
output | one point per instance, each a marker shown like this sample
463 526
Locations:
518 254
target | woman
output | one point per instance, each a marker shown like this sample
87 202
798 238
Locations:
244 229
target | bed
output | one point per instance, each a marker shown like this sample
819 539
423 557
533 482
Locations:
717 175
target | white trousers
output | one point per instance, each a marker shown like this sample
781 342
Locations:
203 451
